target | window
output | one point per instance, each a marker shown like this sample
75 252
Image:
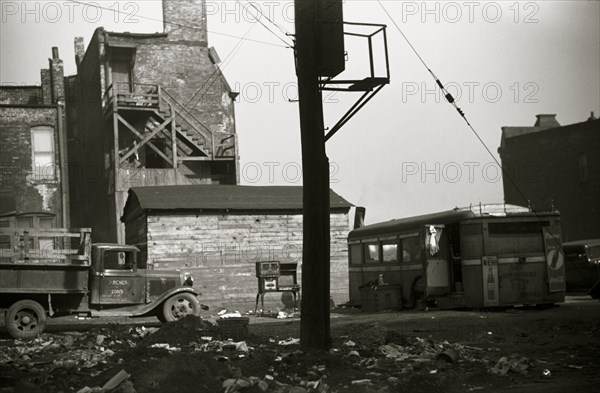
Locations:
411 250
371 252
355 254
390 252
118 260
42 144
516 238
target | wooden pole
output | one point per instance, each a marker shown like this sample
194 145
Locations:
314 324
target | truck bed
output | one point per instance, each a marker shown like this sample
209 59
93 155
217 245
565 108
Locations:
43 278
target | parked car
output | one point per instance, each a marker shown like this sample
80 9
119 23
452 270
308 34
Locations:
582 262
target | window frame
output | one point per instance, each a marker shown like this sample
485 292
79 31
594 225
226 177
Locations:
41 174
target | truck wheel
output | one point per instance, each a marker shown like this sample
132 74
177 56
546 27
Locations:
179 306
25 319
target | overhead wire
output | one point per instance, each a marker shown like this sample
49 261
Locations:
118 11
281 29
450 99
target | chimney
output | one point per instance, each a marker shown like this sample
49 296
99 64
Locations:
79 50
592 117
359 217
546 121
57 77
46 77
185 20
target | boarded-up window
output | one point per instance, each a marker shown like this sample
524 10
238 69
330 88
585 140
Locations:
516 238
355 254
42 144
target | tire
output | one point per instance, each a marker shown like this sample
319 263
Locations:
25 319
417 293
179 306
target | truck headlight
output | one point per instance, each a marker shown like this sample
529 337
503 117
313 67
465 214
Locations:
188 280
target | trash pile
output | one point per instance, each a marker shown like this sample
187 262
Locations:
193 355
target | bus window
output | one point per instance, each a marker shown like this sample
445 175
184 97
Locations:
390 252
515 238
355 254
411 249
372 253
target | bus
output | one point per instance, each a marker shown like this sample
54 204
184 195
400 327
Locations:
477 257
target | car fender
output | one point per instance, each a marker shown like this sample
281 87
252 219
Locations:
147 308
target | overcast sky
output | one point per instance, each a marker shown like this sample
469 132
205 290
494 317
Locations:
407 152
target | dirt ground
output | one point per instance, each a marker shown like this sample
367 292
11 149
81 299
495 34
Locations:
512 350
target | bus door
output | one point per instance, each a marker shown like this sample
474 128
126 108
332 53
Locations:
437 254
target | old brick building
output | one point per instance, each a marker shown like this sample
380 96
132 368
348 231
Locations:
218 232
33 152
556 166
145 110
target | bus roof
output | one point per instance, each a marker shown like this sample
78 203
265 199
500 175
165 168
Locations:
444 218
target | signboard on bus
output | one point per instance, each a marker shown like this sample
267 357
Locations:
555 260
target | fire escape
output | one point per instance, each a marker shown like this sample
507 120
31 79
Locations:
154 134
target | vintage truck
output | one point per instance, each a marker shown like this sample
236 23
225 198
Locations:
50 272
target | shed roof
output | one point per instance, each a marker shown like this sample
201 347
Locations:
222 197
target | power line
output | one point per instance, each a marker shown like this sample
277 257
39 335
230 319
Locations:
450 99
225 61
281 29
178 24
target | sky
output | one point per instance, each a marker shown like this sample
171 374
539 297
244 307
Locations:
407 152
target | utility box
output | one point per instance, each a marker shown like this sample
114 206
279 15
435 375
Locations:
332 55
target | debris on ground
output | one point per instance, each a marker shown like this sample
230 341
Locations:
197 352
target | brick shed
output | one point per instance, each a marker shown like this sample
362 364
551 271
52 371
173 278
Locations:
218 232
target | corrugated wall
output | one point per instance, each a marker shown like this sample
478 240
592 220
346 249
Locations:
220 251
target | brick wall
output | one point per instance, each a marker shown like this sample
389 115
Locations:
17 178
545 167
89 139
21 95
220 251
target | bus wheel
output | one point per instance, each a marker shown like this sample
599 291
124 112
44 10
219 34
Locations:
25 319
417 294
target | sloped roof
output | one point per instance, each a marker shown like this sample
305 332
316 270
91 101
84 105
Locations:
223 197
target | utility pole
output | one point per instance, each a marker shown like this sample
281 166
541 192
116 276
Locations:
314 322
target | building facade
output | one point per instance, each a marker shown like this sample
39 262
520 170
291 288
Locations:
552 166
34 180
145 110
219 232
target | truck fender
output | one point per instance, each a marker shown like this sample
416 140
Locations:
159 300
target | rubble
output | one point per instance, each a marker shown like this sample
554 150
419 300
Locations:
192 352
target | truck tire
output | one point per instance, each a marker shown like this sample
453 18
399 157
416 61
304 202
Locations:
179 306
25 319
